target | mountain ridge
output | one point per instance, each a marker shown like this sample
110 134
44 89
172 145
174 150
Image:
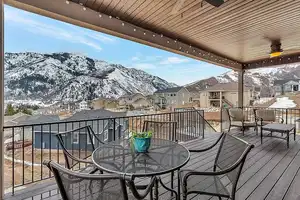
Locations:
262 78
71 77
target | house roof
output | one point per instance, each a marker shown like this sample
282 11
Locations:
283 81
94 114
226 87
169 90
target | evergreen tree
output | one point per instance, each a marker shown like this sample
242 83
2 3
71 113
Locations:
10 110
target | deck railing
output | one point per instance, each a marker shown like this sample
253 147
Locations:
28 145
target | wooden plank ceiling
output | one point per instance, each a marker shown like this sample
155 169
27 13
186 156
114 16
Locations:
239 30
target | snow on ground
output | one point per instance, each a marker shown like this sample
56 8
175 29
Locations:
283 102
262 100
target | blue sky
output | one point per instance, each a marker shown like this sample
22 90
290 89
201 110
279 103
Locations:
26 31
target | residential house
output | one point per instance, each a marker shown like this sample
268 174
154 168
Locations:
101 121
172 97
285 86
26 133
226 95
101 103
136 100
83 105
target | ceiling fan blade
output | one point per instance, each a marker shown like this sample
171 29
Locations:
215 3
177 7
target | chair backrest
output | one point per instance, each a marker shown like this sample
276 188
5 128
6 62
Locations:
236 114
231 156
161 129
76 144
80 186
265 115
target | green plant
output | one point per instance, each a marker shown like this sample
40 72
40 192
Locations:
146 134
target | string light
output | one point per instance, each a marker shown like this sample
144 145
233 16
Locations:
153 35
123 24
110 17
144 33
84 8
134 29
161 35
67 2
168 41
175 41
100 15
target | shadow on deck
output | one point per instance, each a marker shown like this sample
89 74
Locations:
271 171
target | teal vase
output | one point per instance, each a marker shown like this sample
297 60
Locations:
141 145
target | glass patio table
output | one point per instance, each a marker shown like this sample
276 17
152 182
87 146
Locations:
163 157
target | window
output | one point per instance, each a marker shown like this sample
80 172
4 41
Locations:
75 138
105 135
88 139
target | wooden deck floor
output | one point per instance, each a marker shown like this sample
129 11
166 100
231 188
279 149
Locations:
271 171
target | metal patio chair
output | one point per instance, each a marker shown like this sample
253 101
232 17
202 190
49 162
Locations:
238 119
265 116
227 167
161 129
77 186
77 146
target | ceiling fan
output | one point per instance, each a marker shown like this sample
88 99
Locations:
276 49
180 3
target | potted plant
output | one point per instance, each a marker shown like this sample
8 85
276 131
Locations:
141 141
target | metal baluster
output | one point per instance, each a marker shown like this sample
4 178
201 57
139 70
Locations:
32 153
42 139
23 156
13 160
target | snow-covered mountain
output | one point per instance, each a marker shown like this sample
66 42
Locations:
72 77
262 78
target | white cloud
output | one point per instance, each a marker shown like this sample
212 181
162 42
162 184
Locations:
174 60
144 66
135 58
29 23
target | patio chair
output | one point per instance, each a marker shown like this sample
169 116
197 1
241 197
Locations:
227 168
161 129
76 186
77 146
266 116
238 119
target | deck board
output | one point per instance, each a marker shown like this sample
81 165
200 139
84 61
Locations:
271 171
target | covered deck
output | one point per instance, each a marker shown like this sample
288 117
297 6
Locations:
236 35
271 171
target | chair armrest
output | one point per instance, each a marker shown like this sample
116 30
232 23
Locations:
210 147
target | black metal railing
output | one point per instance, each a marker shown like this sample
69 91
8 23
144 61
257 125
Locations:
288 115
28 145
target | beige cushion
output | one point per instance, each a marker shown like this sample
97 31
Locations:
266 115
236 114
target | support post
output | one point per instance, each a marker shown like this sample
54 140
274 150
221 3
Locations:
241 88
2 99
